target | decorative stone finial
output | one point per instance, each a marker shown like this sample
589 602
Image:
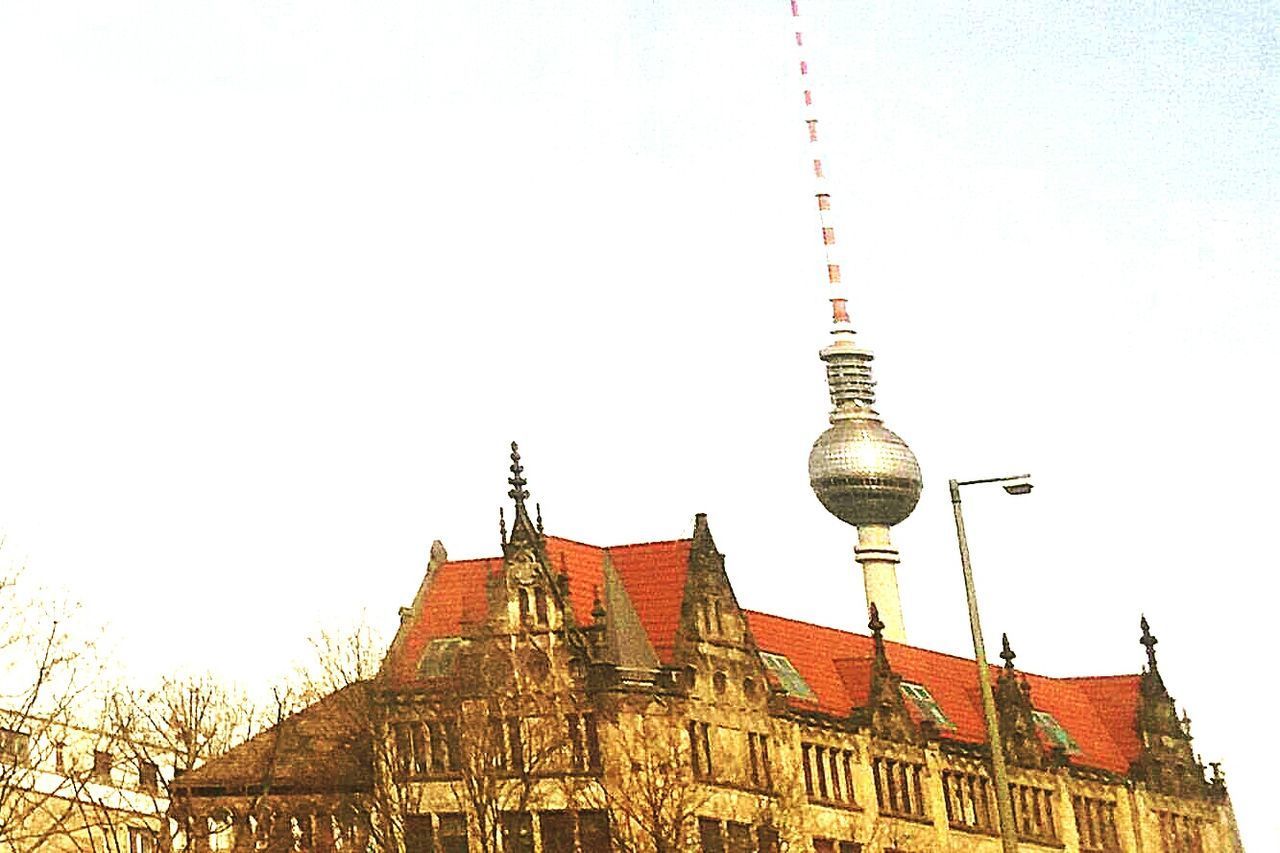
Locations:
518 492
1150 642
1006 653
502 526
538 509
877 633
876 626
597 608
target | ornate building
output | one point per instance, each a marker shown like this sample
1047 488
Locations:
563 696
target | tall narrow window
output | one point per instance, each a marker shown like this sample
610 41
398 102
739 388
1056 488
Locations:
557 830
738 838
15 748
517 832
453 833
148 776
593 832
710 835
101 765
453 744
700 749
419 834
540 605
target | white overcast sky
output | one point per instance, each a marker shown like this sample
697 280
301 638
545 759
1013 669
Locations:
282 279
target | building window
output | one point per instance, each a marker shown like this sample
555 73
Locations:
828 774
830 845
557 831
148 776
1180 834
1033 813
761 775
540 609
584 743
517 832
970 801
15 748
438 658
506 745
453 833
924 702
1096 824
710 835
700 749
1052 731
101 765
788 676
738 838
142 840
899 792
412 751
419 834
770 840
593 831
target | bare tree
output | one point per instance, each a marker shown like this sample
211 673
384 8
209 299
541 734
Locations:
518 730
163 732
44 676
652 797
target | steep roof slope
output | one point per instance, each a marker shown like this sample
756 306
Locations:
323 748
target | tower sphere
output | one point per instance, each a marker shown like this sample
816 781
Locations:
864 473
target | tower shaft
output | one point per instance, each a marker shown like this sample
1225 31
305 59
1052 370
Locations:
879 561
862 472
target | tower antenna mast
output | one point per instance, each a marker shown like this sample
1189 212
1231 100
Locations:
863 473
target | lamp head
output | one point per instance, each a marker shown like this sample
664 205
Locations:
1020 486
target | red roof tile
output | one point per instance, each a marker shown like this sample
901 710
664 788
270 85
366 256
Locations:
653 574
1098 713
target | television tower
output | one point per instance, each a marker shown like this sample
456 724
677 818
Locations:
861 471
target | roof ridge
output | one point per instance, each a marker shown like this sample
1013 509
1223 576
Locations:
652 542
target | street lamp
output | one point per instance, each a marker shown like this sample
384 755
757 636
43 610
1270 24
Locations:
1019 485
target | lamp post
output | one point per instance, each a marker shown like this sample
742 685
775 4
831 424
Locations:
1019 485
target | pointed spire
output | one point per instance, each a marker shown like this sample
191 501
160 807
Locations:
597 608
539 521
518 492
1006 653
1150 642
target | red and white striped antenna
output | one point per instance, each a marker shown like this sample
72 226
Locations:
836 293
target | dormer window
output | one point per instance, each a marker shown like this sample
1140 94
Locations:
1054 733
920 696
788 676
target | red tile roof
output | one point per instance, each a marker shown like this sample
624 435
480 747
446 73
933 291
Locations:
1098 713
652 572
